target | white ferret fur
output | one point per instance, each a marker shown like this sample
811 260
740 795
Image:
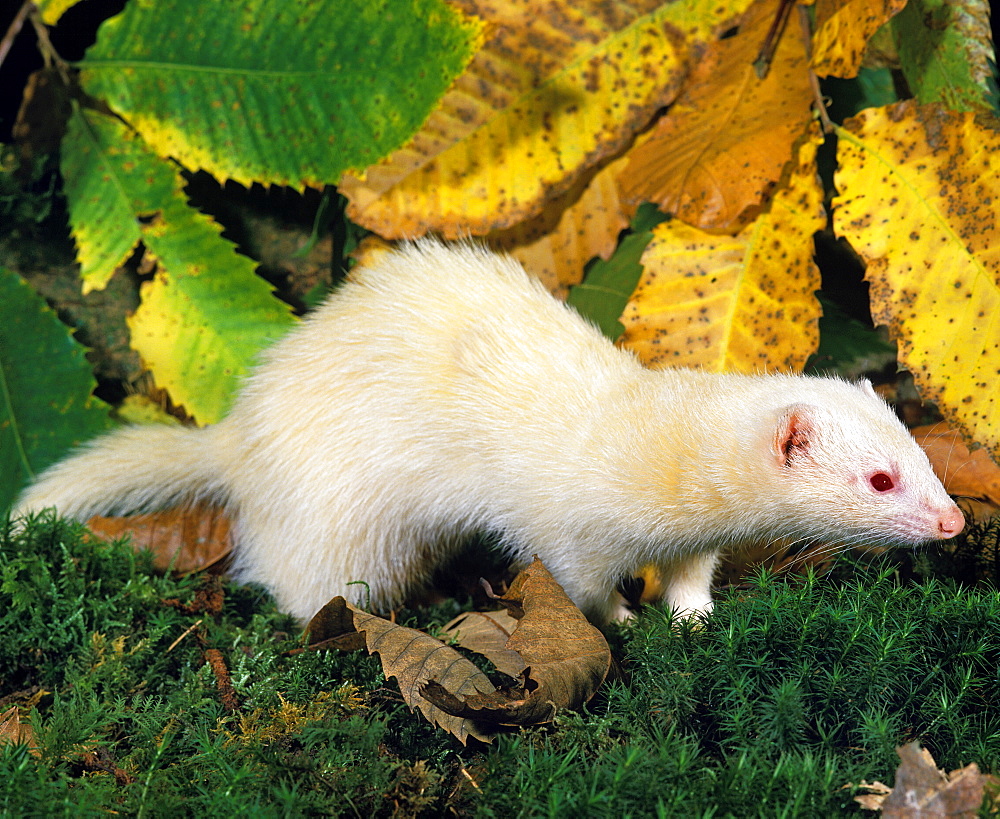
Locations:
444 392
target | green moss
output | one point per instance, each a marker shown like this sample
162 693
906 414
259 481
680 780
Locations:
768 708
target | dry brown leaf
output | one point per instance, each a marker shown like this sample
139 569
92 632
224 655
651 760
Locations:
15 732
487 633
563 658
971 475
185 540
922 790
567 658
333 627
877 792
42 116
410 656
709 161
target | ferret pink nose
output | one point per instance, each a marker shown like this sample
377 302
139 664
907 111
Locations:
951 523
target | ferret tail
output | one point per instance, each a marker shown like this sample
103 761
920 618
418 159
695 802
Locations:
134 469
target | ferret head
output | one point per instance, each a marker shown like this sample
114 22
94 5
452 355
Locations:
850 472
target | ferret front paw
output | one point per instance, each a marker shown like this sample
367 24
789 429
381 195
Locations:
621 614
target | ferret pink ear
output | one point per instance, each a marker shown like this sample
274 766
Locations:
866 385
795 433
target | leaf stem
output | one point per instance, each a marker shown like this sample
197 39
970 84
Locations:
48 51
14 29
824 117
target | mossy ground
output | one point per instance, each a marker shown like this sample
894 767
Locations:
769 708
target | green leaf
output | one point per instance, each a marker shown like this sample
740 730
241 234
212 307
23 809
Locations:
946 53
98 179
848 347
46 405
206 315
870 89
278 91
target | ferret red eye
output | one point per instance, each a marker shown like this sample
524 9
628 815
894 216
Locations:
881 482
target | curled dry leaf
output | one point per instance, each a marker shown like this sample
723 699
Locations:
877 792
921 789
971 475
567 658
185 539
487 633
41 118
560 658
410 656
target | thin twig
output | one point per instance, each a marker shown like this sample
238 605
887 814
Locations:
14 29
174 644
824 118
763 62
49 53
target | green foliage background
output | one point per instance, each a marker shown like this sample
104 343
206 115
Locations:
45 385
289 92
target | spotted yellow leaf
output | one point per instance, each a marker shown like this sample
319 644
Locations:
843 29
918 201
557 87
741 303
712 158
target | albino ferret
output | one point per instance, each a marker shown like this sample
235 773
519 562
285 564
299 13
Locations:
443 392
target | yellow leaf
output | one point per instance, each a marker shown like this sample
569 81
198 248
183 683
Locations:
843 29
740 303
574 228
703 22
557 87
200 334
721 148
918 201
52 10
